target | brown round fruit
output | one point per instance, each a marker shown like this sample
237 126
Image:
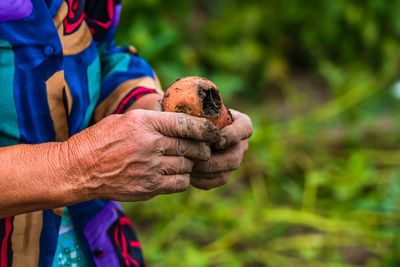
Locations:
198 97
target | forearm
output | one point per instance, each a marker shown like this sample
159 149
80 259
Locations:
37 177
146 102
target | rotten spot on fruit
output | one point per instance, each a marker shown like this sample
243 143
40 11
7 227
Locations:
211 101
199 97
183 108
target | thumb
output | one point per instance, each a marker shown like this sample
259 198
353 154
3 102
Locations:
182 125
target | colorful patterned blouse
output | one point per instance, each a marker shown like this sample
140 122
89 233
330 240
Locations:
60 71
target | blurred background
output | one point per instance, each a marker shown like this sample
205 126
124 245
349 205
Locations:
320 184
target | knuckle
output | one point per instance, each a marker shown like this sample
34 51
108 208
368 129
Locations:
182 124
131 115
131 118
182 120
111 118
182 183
155 163
206 151
150 186
206 123
189 165
232 137
246 118
233 161
146 118
198 150
246 125
182 147
157 144
166 169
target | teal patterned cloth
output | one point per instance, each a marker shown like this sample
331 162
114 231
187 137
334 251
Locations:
69 252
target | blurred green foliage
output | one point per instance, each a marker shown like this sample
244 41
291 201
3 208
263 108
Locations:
320 184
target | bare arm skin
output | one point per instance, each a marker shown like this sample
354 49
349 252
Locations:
146 102
129 157
35 177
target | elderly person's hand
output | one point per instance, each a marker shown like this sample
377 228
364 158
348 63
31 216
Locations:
140 154
232 145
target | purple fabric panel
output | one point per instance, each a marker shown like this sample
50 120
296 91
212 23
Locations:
117 13
15 9
96 233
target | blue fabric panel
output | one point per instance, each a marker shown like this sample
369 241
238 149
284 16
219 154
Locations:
54 6
32 68
48 238
75 73
28 48
30 92
114 63
109 38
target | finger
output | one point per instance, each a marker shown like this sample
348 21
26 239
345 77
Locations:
226 160
182 125
185 147
205 175
207 184
174 183
176 165
240 129
159 105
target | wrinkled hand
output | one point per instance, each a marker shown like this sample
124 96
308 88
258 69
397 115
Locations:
140 154
232 145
